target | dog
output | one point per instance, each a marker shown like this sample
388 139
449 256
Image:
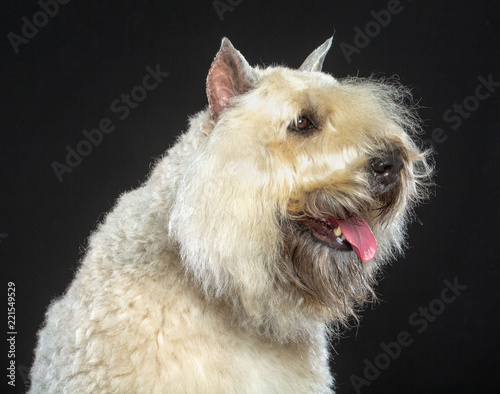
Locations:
257 237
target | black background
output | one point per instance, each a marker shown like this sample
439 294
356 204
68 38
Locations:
66 77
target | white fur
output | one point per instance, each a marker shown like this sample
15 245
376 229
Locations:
180 290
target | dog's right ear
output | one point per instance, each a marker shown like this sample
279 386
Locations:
229 76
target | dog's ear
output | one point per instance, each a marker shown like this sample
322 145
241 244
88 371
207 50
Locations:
229 76
314 61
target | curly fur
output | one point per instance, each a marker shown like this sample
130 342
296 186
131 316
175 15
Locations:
204 279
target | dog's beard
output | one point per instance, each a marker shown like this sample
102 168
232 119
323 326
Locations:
337 274
330 276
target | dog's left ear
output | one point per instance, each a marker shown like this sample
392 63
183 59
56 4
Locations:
314 61
229 76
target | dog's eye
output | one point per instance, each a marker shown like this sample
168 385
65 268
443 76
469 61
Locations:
303 123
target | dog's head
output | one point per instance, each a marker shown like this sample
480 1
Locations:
296 187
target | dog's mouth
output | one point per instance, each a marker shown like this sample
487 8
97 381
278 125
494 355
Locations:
353 233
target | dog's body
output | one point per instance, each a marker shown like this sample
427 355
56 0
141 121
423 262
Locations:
266 222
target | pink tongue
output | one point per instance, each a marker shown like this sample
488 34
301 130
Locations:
357 232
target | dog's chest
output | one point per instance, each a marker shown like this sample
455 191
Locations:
192 347
212 356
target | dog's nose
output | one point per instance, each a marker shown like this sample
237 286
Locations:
386 169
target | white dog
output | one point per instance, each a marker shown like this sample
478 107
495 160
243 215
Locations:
256 236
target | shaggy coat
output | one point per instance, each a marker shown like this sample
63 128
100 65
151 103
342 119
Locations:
222 273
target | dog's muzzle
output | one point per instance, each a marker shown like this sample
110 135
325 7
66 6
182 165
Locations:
350 231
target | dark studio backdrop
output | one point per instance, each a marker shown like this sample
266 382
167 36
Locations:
64 70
